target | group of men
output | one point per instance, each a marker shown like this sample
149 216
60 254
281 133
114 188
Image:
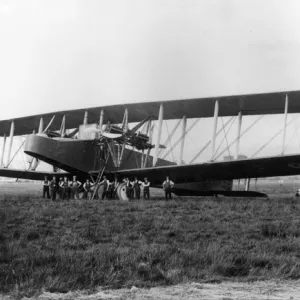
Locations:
65 189
133 188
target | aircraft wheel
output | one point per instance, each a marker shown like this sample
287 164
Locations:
121 192
100 189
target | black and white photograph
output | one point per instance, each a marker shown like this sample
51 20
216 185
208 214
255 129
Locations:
149 149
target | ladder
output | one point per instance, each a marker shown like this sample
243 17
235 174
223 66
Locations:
99 176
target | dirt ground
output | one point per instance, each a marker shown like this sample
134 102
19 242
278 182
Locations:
261 290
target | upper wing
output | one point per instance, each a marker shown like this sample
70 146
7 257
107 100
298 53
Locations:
252 104
247 168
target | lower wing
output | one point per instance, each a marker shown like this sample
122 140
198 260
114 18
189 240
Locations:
224 170
29 175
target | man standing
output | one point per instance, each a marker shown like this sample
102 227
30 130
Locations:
65 188
137 188
146 187
167 186
87 186
46 188
105 184
60 189
128 187
53 187
74 185
114 187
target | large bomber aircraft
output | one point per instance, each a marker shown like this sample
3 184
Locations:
100 141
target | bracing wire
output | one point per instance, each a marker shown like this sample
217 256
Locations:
272 138
172 153
170 136
294 134
225 136
15 154
209 142
243 133
179 140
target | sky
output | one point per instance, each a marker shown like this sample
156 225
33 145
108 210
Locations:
66 54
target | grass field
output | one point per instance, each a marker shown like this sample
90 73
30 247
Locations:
62 246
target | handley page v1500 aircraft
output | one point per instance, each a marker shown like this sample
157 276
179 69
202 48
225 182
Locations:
101 140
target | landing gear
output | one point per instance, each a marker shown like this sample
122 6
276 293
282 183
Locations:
100 190
121 192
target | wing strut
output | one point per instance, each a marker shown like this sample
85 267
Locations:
216 114
160 122
101 120
182 140
35 162
286 107
50 123
62 130
239 128
247 184
2 152
11 138
150 134
86 118
41 125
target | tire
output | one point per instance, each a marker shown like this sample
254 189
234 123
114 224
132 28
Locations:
121 192
100 191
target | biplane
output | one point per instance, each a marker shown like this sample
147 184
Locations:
119 141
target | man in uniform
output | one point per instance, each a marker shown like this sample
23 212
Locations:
113 187
65 188
53 187
105 184
74 185
146 187
167 186
46 188
60 189
128 187
137 188
87 186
